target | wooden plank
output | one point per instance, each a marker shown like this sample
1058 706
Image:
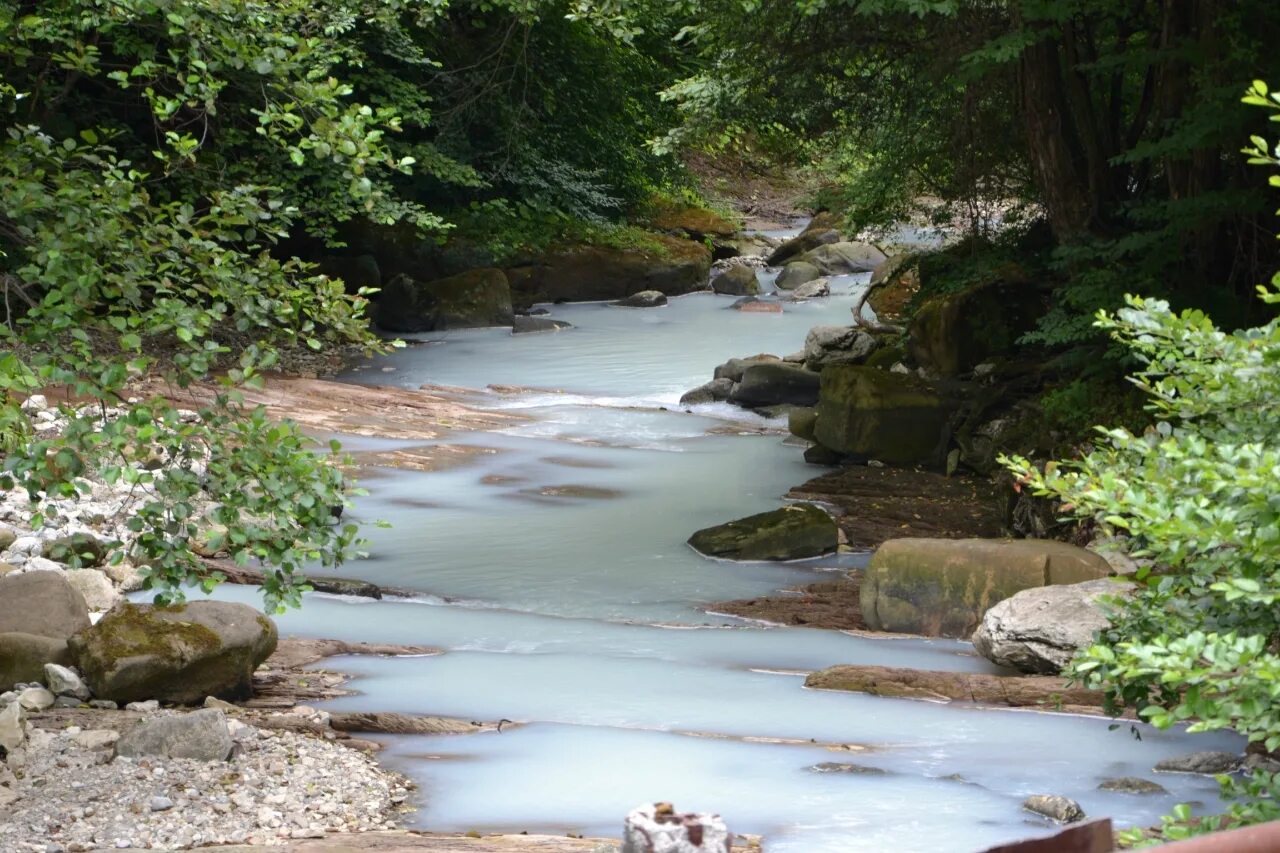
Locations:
1092 837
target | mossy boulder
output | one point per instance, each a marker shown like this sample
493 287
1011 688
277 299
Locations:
802 422
791 533
691 221
586 272
738 280
844 257
952 334
942 587
817 234
174 654
23 656
892 417
76 549
795 274
471 299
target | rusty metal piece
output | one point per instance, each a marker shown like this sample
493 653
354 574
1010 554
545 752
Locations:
1263 838
1092 837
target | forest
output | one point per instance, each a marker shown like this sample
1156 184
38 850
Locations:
208 193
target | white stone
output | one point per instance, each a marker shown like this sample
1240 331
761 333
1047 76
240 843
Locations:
64 682
36 699
143 707
43 564
35 403
98 590
13 729
658 828
95 738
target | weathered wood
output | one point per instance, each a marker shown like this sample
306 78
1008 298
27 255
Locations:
1092 837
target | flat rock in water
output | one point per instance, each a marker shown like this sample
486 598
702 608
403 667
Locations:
643 299
845 767
1132 785
1207 762
200 735
758 307
1047 693
391 723
790 533
524 325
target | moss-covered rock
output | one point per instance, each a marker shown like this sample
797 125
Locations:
773 383
23 656
174 654
581 273
689 220
802 421
474 298
892 417
791 533
942 587
738 280
952 334
817 234
795 274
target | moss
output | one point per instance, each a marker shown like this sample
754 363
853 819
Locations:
129 631
791 533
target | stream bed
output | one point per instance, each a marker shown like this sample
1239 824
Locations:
553 570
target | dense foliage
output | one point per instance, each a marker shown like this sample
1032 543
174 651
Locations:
1198 496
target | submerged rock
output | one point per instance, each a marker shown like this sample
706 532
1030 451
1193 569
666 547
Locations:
643 299
1054 807
175 654
942 587
739 280
1040 630
1132 785
524 325
480 297
790 533
845 767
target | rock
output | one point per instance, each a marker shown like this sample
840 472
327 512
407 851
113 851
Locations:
1208 763
844 258
480 297
812 289
1043 692
23 657
99 592
67 702
103 705
802 422
659 829
13 727
6 568
735 367
806 241
791 533
524 325
827 345
41 603
775 382
667 264
1040 630
391 723
148 706
200 735
845 767
643 299
95 738
65 682
174 654
715 391
1131 785
691 221
952 334
7 537
942 587
795 274
819 455
35 699
886 416
76 550
356 271
751 305
736 281
43 564
161 804
1058 809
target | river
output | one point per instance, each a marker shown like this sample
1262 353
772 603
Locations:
554 572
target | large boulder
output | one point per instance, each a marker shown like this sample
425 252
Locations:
735 367
23 657
843 258
99 592
737 280
795 274
41 603
480 297
1040 630
804 242
953 334
715 391
791 533
578 273
174 654
827 345
942 587
893 417
199 735
772 383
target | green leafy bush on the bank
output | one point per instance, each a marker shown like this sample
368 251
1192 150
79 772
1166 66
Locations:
1198 495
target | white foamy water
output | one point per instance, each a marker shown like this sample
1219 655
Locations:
553 571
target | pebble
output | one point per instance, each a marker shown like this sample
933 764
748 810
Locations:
280 785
